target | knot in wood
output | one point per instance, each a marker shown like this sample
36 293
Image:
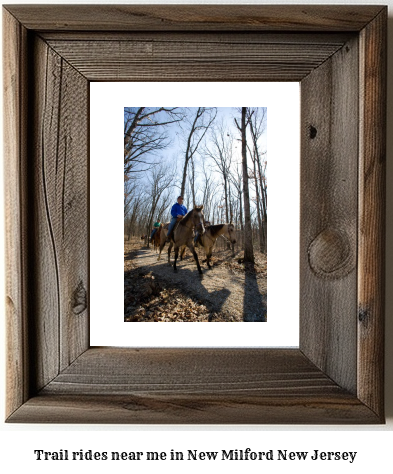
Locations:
313 132
80 299
330 254
363 316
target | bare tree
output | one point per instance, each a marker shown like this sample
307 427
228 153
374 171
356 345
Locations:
164 204
160 179
261 228
130 186
133 218
257 121
145 134
237 181
197 128
248 243
209 189
192 181
220 150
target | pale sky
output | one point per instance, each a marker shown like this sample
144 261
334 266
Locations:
174 153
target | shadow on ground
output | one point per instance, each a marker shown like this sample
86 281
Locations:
251 290
194 285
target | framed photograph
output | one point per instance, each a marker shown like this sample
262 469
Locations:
231 291
52 55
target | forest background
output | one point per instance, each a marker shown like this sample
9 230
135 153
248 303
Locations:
107 210
212 156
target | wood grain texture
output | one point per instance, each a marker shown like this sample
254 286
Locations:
14 74
193 386
239 409
60 116
201 37
185 371
329 169
190 17
336 376
371 260
216 60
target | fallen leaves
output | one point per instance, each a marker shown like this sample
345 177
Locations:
153 297
148 300
237 266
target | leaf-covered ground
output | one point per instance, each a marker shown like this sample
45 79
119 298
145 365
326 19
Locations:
232 291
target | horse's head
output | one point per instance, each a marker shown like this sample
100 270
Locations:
198 219
231 233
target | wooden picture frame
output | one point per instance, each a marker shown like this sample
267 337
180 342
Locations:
338 54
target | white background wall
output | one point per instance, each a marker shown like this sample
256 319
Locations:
373 443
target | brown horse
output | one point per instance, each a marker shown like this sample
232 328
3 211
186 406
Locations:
157 238
163 238
183 235
212 233
210 236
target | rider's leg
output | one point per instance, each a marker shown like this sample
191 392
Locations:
171 225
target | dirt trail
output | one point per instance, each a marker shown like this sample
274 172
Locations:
228 288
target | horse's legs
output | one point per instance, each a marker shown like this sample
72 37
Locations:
208 257
161 247
182 252
192 250
169 252
176 255
158 239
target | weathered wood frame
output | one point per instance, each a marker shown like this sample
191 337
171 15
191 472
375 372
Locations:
51 53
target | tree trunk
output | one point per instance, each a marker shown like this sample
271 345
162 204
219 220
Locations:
241 211
263 190
150 221
229 245
248 246
226 199
263 206
193 181
183 183
260 233
264 231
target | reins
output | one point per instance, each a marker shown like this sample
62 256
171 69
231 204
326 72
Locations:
184 224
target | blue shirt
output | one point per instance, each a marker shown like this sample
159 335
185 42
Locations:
178 209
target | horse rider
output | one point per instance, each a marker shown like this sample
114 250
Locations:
156 227
178 210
